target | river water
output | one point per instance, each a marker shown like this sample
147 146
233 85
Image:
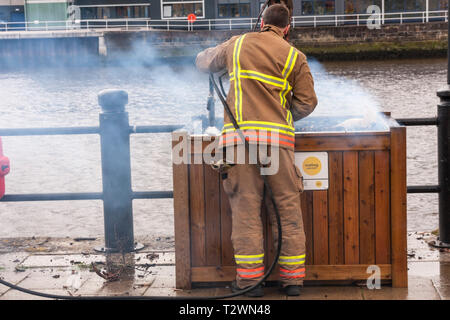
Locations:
47 97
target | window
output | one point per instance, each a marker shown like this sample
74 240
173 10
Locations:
360 6
436 5
114 12
318 7
182 8
404 5
237 9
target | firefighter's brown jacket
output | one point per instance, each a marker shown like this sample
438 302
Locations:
270 86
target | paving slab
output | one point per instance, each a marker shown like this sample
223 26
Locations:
18 295
12 277
329 293
42 261
419 288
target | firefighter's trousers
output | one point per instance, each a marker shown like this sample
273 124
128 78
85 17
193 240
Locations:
246 192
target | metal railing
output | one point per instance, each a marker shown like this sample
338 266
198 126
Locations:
221 24
114 130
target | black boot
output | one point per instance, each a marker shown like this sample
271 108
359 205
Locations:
292 290
257 292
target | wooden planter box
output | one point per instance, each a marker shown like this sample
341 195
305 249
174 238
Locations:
359 221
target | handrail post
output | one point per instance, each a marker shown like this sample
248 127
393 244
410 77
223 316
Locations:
116 171
443 115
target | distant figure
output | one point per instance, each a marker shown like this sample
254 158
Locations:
270 87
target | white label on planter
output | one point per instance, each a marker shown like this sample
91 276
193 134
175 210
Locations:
314 168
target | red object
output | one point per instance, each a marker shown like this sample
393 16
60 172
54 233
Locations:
192 17
4 170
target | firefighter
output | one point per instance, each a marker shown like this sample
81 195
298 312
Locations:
270 87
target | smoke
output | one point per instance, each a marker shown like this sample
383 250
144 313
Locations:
343 105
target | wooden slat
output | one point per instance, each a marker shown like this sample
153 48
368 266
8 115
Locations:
398 208
320 226
382 208
225 227
307 213
313 272
366 208
343 142
197 209
181 221
335 209
212 217
351 208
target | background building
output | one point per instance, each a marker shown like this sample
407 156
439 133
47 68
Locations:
12 10
57 10
47 10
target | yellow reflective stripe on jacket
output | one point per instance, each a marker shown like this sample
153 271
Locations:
261 125
258 258
290 260
237 74
237 79
289 66
289 118
255 75
277 82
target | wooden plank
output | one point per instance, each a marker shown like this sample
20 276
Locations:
320 226
351 208
313 272
398 208
335 209
181 223
225 227
342 142
382 208
307 214
212 217
197 209
366 208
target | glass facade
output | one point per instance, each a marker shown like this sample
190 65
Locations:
404 5
181 8
234 9
435 5
114 12
318 7
359 6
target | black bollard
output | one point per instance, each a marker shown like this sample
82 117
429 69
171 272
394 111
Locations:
116 171
443 114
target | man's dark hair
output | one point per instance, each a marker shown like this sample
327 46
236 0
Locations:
277 15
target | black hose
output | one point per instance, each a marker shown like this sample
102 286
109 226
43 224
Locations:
235 294
260 15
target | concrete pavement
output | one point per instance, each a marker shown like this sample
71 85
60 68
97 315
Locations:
64 267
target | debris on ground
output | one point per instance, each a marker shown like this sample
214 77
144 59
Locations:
108 276
20 268
152 256
84 239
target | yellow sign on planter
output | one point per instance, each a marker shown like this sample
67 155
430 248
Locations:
314 168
